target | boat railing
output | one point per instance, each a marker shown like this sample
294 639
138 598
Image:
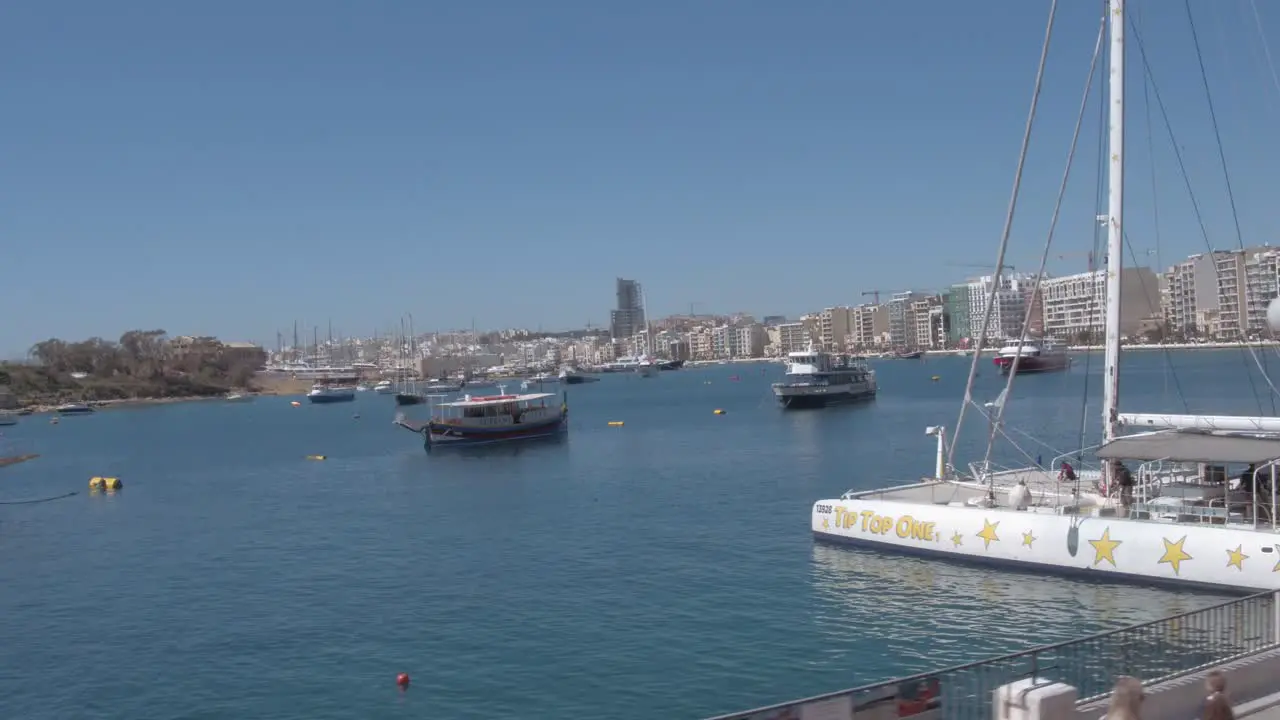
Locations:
1156 651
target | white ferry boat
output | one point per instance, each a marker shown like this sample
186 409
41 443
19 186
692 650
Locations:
1178 519
816 379
1032 356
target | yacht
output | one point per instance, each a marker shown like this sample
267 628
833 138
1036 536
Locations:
647 367
817 379
385 387
73 409
1032 356
323 392
572 376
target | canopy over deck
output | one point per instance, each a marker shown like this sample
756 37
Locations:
483 400
1192 446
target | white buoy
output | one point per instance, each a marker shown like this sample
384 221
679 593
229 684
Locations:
1273 315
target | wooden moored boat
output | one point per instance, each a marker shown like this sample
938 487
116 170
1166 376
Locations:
489 419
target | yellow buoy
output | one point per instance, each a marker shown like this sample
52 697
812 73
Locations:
315 457
719 412
112 483
615 423
95 483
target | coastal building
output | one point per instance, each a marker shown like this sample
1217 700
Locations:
1262 285
1012 294
869 323
955 303
700 346
901 321
925 314
1221 295
833 327
627 318
1074 306
792 337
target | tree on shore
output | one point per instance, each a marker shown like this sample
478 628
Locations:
141 364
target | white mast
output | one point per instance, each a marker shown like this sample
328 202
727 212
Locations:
1115 226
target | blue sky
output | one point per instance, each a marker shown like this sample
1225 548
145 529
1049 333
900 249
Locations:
226 168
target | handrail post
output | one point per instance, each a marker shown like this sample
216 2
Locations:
1275 617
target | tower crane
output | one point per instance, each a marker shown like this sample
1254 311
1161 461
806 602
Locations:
875 295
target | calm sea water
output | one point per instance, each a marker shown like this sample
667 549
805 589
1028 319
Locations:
662 569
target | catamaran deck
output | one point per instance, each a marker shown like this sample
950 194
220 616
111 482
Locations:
1044 486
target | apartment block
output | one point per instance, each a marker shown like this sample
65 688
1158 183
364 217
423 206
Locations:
868 325
923 334
1262 285
792 337
1013 293
1221 295
1075 306
834 327
737 341
955 304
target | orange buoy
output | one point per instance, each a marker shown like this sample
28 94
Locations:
403 681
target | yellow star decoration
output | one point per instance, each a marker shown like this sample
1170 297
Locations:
1028 538
1174 554
1236 558
958 540
1104 548
988 533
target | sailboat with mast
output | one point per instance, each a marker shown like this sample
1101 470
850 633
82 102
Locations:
1176 519
646 365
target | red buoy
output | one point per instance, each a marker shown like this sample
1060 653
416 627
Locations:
403 681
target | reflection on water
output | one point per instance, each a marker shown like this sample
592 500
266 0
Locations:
891 615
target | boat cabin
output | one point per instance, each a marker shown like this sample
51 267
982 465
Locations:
496 410
814 367
1198 476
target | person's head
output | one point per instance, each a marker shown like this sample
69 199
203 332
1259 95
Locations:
1217 706
1126 699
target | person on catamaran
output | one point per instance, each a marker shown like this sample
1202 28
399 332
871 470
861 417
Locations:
1066 472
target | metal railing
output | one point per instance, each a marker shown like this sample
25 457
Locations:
1153 652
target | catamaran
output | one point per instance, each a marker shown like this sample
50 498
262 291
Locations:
1178 518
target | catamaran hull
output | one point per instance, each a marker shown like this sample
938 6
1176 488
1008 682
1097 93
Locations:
440 435
1099 548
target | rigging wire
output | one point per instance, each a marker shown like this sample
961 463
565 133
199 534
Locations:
1186 178
1048 244
1231 198
1008 228
1168 366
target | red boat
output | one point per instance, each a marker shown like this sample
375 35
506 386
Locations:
1032 356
